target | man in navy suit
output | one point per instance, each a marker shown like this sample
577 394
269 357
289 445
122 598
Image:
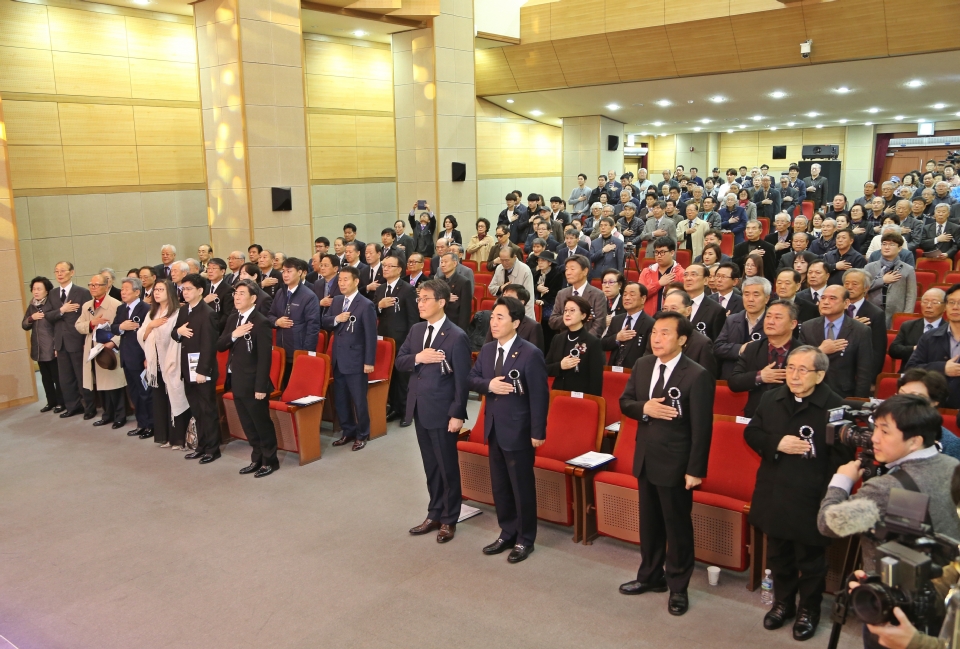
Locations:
125 325
935 351
295 313
514 425
437 353
353 321
326 287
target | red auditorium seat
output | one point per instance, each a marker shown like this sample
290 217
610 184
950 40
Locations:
221 379
614 511
486 304
471 264
278 361
613 384
632 275
764 226
890 364
684 258
482 279
807 209
321 341
899 319
727 402
886 385
597 283
480 291
474 465
953 277
925 279
726 243
538 311
939 266
950 420
379 385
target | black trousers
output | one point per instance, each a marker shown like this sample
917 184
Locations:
350 401
140 397
797 568
441 464
75 396
514 491
666 534
50 377
397 397
114 404
202 398
165 427
255 419
287 369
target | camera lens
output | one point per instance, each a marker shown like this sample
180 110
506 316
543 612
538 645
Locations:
873 603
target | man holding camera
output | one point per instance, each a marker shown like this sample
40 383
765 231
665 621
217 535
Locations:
788 431
906 427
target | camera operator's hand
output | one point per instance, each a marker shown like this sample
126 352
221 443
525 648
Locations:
792 445
894 637
851 470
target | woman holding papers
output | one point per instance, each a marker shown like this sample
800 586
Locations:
171 412
248 336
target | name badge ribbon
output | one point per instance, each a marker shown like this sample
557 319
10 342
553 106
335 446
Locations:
806 434
674 394
444 365
514 376
350 323
756 335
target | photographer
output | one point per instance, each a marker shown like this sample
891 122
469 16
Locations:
906 427
788 431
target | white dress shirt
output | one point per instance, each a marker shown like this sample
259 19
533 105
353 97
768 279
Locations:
670 365
436 330
697 301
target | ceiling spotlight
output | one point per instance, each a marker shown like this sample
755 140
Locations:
509 101
778 94
644 133
939 106
141 2
813 114
842 121
819 126
696 128
756 118
663 102
868 123
536 113
773 128
658 123
791 123
705 121
898 117
359 33
729 130
873 110
718 99
689 101
613 107
914 83
742 126
843 90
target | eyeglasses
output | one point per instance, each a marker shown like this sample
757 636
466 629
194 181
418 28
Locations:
609 282
931 302
795 369
953 303
424 299
661 253
94 285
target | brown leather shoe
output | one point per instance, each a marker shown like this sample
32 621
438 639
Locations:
446 533
426 526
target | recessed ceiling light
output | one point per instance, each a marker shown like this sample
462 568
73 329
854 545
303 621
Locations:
873 110
756 118
742 126
939 106
842 121
689 101
773 128
791 123
921 121
914 83
658 123
696 128
643 133
613 107
359 33
663 102
778 94
898 117
729 130
843 90
868 123
819 126
509 101
141 2
536 113
663 134
705 121
718 99
813 114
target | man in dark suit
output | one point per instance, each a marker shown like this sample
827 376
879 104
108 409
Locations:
353 321
271 280
726 277
571 246
437 355
295 313
249 338
767 199
372 276
415 276
799 242
326 286
843 257
352 256
219 296
780 236
707 316
130 315
787 289
65 302
168 255
627 336
673 432
932 306
516 218
815 187
403 241
514 425
396 303
529 329
458 308
935 349
744 327
388 239
698 347
846 342
941 236
753 243
196 332
857 281
761 365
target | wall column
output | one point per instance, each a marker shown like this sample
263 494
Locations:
585 149
18 383
858 152
254 123
435 111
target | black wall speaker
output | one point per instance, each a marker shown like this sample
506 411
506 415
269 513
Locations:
282 199
779 153
613 142
459 172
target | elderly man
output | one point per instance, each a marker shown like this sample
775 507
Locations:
168 253
767 199
129 317
698 347
816 187
658 225
111 278
179 270
799 242
511 271
894 285
458 307
204 254
743 327
782 237
148 278
234 262
857 281
575 270
789 197
932 307
753 244
940 237
606 251
272 279
843 257
105 376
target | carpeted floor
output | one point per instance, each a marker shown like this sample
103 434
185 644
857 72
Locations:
109 542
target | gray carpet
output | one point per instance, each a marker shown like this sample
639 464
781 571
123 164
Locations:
110 542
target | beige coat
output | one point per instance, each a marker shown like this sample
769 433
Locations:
696 238
105 380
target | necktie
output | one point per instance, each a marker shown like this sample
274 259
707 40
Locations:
498 367
429 337
939 230
346 304
609 305
850 310
629 323
723 301
658 387
816 298
830 334
166 271
576 293
927 328
413 281
63 296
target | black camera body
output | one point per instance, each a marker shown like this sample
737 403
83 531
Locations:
854 429
629 247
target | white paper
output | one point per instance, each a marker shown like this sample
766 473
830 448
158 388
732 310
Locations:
614 427
576 395
591 459
466 511
743 420
308 400
96 349
617 369
192 361
375 381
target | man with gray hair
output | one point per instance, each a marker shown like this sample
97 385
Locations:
743 327
193 265
458 307
941 236
111 278
857 281
816 187
698 347
767 199
168 253
130 315
179 270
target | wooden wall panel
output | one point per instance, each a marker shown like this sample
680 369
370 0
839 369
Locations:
26 70
157 125
655 59
333 130
331 59
586 60
757 52
535 24
633 14
91 75
90 166
681 11
831 26
904 36
330 92
375 131
739 139
36 166
161 40
24 25
515 145
691 60
96 124
373 63
86 32
376 162
373 94
168 80
32 122
489 162
789 137
535 66
333 162
166 165
581 18
488 136
493 74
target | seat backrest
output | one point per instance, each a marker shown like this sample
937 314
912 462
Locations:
886 386
222 358
900 318
310 375
624 448
807 208
538 311
322 341
471 264
632 275
684 257
482 278
939 266
764 226
732 467
925 279
726 243
728 402
950 421
486 304
953 277
596 282
476 431
386 349
613 386
479 291
574 426
277 358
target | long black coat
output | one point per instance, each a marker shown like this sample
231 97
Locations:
789 488
744 377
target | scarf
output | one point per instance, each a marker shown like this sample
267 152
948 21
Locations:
163 357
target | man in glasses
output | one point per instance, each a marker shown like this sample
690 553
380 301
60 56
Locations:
104 376
396 302
129 316
938 349
415 276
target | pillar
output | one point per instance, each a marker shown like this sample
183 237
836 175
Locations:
434 97
858 153
585 148
18 384
254 123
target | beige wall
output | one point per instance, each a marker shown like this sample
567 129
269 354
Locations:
511 146
754 148
661 154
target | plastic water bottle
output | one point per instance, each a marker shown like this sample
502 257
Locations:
766 589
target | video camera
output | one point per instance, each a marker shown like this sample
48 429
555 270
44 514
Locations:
629 247
854 428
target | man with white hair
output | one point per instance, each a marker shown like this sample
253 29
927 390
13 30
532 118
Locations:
111 278
642 181
816 187
168 253
940 237
942 194
767 199
179 270
193 264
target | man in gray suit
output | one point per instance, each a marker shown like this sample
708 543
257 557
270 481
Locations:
576 269
894 284
658 225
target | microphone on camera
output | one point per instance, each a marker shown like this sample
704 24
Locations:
852 517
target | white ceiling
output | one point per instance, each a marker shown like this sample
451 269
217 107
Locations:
318 22
876 83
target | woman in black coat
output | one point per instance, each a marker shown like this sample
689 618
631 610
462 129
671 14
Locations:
450 230
582 370
41 342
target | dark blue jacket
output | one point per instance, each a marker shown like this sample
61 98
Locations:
304 311
319 288
357 346
932 353
518 418
435 397
131 353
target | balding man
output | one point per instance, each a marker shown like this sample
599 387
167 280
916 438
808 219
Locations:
932 305
940 237
96 316
816 187
168 253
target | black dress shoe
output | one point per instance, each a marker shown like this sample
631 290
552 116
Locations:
519 553
134 432
406 423
194 455
806 624
359 444
100 422
46 408
118 424
250 468
499 546
426 526
146 433
392 416
59 409
263 472
780 613
678 603
88 415
342 441
640 587
207 459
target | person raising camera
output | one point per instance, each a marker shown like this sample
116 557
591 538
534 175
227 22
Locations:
906 427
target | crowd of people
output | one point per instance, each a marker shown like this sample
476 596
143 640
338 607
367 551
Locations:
797 319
